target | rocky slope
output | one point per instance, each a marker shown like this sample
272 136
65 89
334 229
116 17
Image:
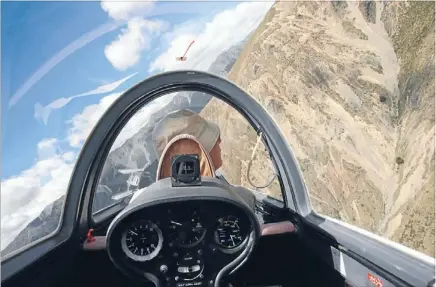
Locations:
43 225
411 219
351 84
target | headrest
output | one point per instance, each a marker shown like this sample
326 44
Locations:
180 145
184 121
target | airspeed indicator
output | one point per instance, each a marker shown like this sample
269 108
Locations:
142 241
228 233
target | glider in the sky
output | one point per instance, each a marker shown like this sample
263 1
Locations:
183 58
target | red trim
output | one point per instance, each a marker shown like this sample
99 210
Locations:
89 236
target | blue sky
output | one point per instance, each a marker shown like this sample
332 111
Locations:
64 63
31 33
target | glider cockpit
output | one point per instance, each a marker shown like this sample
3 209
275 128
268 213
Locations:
132 218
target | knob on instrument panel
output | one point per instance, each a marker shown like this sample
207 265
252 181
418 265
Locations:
163 268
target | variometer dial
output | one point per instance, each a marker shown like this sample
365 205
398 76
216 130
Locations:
186 228
228 233
142 241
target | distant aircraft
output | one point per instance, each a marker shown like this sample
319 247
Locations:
183 58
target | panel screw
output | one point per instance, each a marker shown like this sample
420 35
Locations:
163 268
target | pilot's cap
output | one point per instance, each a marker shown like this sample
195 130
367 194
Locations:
184 121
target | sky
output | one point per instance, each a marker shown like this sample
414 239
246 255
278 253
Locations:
64 63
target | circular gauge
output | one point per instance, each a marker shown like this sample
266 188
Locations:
142 241
228 234
186 228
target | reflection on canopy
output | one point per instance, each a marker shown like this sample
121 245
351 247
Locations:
132 162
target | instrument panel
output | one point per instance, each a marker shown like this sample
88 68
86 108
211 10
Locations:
183 243
143 239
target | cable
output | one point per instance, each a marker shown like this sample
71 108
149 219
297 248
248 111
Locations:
253 154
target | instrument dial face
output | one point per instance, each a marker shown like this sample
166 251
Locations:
186 228
142 241
228 233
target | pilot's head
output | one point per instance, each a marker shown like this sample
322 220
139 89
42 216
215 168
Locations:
184 144
185 121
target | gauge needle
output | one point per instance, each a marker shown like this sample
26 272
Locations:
133 232
231 237
176 223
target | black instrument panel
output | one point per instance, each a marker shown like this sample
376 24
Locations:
181 243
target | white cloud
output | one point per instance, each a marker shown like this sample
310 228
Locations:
47 148
24 196
126 50
43 113
82 123
140 119
227 28
125 10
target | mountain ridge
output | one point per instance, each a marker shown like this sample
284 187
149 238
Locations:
351 85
